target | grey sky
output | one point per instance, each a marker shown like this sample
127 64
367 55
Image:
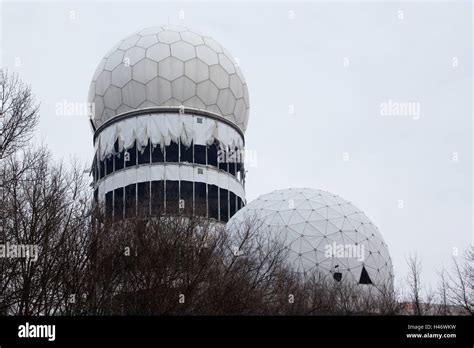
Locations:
334 63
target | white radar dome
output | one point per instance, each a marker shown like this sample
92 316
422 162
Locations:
169 66
322 232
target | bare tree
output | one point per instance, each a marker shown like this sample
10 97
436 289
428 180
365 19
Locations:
461 282
45 207
443 294
414 284
18 113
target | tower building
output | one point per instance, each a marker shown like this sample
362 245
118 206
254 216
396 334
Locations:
170 111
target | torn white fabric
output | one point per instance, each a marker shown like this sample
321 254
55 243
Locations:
164 128
141 134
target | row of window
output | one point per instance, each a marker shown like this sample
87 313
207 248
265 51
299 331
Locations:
172 197
174 153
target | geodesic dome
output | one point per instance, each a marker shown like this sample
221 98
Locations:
169 66
322 232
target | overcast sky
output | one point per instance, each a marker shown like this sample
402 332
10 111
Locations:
336 65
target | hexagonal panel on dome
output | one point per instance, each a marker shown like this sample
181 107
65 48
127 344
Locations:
171 68
158 52
147 41
158 91
183 50
133 94
183 88
144 69
169 65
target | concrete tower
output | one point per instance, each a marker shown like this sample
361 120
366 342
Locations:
170 111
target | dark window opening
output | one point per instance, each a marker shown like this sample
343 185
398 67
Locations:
232 159
96 195
186 153
109 165
223 159
172 152
224 204
240 203
130 201
232 204
200 199
200 154
212 155
109 204
213 201
118 203
172 197
337 276
364 277
94 169
238 167
143 198
157 154
102 169
157 197
186 194
232 168
131 158
144 154
118 158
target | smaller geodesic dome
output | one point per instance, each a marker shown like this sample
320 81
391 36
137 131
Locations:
323 233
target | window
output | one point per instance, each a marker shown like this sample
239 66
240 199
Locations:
102 169
200 199
118 203
224 205
109 201
223 158
94 169
212 155
109 165
96 195
240 203
200 154
364 277
143 198
232 203
186 153
232 158
118 158
157 197
186 194
238 166
213 201
130 201
172 197
172 152
232 168
337 275
131 158
144 154
157 154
